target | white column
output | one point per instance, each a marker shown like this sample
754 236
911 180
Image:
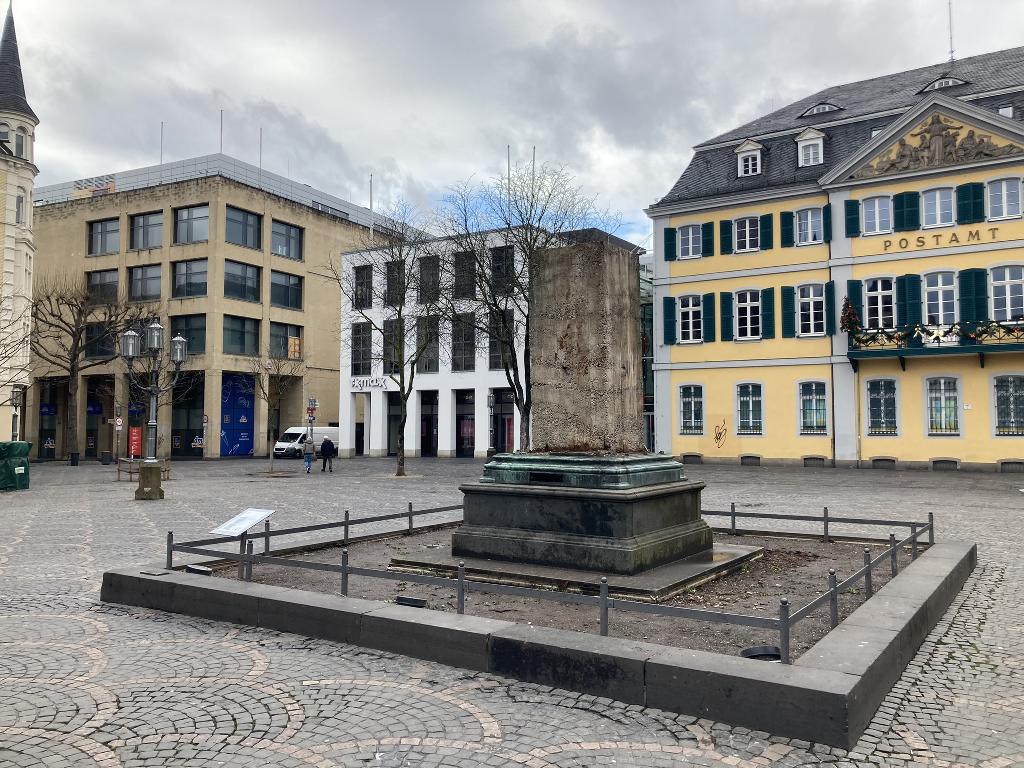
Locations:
516 425
482 422
347 414
378 427
446 423
412 425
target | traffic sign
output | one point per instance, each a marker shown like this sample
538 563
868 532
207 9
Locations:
118 422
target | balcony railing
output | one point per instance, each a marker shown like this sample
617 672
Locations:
966 337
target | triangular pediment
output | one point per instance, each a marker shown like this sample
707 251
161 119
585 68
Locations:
938 134
748 146
809 134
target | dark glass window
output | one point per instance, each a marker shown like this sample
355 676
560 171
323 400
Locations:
882 407
98 343
430 280
463 343
102 286
242 228
286 341
501 328
104 237
189 278
427 343
363 298
362 349
750 420
1009 405
502 270
285 240
691 409
241 335
464 267
394 290
813 408
394 345
144 283
192 225
241 281
285 290
147 230
193 329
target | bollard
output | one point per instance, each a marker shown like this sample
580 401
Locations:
241 551
604 606
913 541
732 519
931 529
784 630
266 537
344 536
248 562
460 592
170 550
410 519
869 589
893 554
833 603
825 519
344 572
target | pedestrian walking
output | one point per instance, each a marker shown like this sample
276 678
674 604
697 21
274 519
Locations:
308 451
327 452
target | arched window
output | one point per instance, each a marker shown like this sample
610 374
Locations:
5 132
19 207
20 143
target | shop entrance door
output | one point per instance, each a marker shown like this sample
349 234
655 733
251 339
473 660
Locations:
428 423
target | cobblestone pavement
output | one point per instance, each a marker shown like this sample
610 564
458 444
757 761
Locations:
83 684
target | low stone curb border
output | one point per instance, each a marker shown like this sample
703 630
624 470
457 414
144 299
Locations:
828 696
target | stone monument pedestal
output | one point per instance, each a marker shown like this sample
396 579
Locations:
149 483
614 514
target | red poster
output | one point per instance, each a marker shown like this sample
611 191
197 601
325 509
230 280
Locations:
135 441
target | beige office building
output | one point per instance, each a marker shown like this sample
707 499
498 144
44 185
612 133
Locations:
233 257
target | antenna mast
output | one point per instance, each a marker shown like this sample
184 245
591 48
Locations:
950 8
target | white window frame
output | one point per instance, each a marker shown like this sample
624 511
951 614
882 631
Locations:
1018 430
755 165
749 306
800 400
938 191
928 423
943 82
1003 185
754 233
699 401
951 287
819 144
896 408
1006 284
693 243
874 202
809 230
820 109
1006 110
890 292
750 432
810 301
694 328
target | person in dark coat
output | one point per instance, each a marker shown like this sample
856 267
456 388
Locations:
327 452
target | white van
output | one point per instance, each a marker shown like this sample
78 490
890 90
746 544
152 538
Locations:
289 446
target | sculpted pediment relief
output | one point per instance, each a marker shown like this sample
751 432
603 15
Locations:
935 142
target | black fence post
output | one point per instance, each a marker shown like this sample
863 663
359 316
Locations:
604 606
931 528
893 555
868 586
833 602
913 541
266 537
410 519
460 593
344 572
784 630
248 561
170 551
825 519
344 537
732 519
241 551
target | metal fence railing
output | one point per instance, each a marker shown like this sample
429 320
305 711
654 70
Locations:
783 624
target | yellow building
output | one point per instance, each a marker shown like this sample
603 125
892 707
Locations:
232 258
842 281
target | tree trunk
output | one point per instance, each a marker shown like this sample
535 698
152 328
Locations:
72 419
400 466
524 427
271 452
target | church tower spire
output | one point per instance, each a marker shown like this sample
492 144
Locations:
12 85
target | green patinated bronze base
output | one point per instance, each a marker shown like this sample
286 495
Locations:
619 514
149 483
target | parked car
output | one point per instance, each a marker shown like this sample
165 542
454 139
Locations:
289 445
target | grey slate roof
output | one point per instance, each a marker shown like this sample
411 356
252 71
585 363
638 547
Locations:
12 86
712 172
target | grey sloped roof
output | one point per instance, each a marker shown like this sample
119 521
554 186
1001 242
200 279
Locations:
12 86
712 171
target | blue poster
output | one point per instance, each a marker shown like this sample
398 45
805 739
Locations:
237 411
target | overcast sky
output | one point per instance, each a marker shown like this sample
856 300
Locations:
426 93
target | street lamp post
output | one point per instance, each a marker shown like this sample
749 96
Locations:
490 411
17 401
131 343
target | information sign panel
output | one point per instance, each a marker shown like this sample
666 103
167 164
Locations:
243 521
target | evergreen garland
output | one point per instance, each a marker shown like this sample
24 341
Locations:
849 320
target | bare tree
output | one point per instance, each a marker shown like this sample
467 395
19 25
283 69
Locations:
391 292
14 350
273 378
491 237
75 329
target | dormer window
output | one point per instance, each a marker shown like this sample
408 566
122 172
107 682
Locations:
820 109
942 82
748 158
810 146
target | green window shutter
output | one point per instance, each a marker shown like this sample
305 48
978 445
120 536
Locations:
830 308
964 204
708 316
852 210
765 241
668 308
786 229
768 313
725 312
908 305
855 293
707 238
973 296
788 312
899 211
725 236
981 292
979 202
670 244
826 222
911 211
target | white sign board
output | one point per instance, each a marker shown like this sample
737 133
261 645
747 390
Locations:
243 521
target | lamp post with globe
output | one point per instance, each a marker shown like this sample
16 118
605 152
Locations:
154 364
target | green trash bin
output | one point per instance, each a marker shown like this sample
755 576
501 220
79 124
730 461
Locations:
14 472
20 473
7 481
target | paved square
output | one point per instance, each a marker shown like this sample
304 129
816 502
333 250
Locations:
82 683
